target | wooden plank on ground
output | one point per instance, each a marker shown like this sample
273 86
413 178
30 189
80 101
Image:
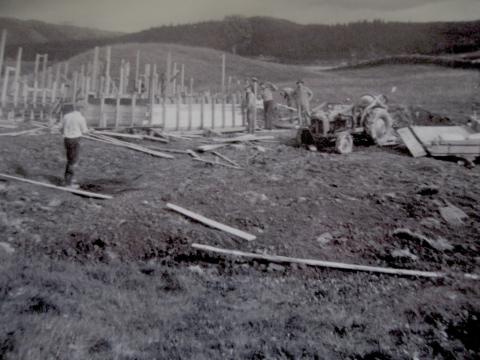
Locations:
210 147
320 263
24 132
223 157
119 135
154 138
212 223
216 163
61 188
248 137
411 142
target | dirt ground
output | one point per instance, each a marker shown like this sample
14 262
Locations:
118 279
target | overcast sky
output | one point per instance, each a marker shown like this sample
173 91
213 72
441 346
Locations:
134 15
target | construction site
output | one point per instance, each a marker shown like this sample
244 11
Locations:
350 233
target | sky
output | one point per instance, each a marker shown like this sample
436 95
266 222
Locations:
135 15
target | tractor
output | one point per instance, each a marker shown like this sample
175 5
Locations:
338 125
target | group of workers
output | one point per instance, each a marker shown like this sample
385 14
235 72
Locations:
296 99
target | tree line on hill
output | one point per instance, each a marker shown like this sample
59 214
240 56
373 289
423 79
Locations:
288 42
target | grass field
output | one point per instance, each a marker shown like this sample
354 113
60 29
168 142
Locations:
87 279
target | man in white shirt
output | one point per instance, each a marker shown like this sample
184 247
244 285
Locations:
74 126
268 104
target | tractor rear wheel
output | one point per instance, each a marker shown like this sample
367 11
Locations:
379 125
344 143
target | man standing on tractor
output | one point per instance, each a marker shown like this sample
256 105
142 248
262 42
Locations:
303 95
266 91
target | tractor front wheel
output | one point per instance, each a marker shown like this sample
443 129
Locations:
379 125
344 143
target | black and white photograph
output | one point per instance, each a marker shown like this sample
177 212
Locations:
224 179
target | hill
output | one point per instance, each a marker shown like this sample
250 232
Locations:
286 41
33 31
203 64
291 42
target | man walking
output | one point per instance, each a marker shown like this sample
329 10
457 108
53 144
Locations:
266 91
74 126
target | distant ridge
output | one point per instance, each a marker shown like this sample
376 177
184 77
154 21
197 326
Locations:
286 41
33 31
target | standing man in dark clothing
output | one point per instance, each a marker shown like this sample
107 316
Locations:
74 126
266 91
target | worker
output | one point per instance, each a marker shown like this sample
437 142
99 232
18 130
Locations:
288 95
74 126
303 95
250 106
266 92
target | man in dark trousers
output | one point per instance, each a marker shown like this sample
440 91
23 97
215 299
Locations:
266 91
74 126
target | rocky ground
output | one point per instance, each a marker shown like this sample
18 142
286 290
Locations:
118 279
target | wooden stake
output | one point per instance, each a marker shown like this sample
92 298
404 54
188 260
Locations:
134 103
117 112
16 80
102 121
241 234
320 263
44 71
96 52
177 103
107 70
182 80
137 70
168 76
8 69
189 99
75 87
223 75
202 111
3 43
175 79
213 112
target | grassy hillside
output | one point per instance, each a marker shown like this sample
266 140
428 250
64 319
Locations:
33 31
203 64
276 39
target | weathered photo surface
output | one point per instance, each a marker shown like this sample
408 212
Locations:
226 179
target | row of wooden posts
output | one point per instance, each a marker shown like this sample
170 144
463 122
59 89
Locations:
42 90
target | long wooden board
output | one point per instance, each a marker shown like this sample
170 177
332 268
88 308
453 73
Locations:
212 223
320 263
61 188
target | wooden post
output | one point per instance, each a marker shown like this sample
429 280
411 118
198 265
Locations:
174 85
189 99
66 69
127 77
182 79
164 112
168 74
35 89
177 103
44 71
3 42
75 86
202 111
152 97
120 84
191 86
255 90
134 103
107 70
117 112
82 79
5 85
87 87
223 74
234 104
147 79
57 77
16 79
95 68
212 100
37 65
102 122
137 70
